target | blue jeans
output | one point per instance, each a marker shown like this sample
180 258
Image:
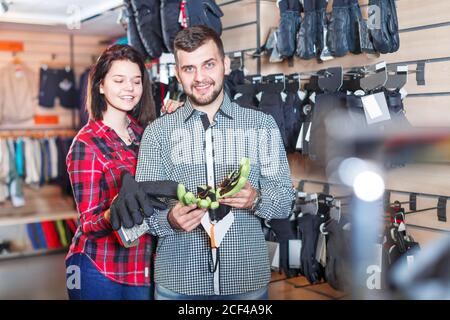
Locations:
162 293
93 285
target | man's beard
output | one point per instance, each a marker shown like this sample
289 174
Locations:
205 100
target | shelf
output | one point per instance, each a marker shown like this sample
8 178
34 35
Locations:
39 252
44 204
37 217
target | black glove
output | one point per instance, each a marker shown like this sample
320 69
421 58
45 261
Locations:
148 22
338 29
134 201
204 12
308 225
307 34
288 27
170 11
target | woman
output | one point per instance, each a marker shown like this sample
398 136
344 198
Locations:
119 105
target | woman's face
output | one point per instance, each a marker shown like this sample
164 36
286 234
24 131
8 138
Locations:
122 85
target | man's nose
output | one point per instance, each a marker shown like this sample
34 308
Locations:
199 75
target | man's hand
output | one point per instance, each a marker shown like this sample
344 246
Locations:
243 199
185 218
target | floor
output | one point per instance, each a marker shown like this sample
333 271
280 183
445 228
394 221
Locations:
43 277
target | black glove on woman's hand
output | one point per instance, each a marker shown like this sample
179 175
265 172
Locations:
133 204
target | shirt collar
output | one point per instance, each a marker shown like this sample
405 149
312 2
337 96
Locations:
101 129
226 109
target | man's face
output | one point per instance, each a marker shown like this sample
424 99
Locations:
201 73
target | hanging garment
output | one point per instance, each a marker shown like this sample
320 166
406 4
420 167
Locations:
20 161
384 30
53 149
245 96
32 167
339 29
204 12
15 182
170 13
82 96
147 16
292 119
4 171
133 36
284 231
57 83
288 27
307 33
338 272
271 101
18 93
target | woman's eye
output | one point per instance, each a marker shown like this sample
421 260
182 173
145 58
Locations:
118 81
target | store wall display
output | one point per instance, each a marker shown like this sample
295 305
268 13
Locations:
31 161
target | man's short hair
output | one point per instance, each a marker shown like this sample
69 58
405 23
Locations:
191 38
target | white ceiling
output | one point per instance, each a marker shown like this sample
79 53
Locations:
93 17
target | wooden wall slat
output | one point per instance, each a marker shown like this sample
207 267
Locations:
428 111
414 13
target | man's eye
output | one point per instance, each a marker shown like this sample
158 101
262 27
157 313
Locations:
188 69
210 65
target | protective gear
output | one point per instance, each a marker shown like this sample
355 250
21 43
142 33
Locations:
288 27
322 27
354 35
339 29
284 231
338 268
308 225
148 22
272 103
384 29
134 39
137 200
170 11
204 12
307 34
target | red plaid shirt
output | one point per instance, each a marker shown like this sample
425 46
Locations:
95 161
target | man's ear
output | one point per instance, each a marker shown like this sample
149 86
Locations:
227 64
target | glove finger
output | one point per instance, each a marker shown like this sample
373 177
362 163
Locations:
114 218
125 216
138 217
145 206
156 204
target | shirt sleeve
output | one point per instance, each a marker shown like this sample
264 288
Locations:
277 192
86 175
149 168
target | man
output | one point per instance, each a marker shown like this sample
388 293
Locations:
200 144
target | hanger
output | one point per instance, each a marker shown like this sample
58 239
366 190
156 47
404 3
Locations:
53 63
15 59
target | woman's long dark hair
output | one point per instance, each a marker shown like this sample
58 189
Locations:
144 112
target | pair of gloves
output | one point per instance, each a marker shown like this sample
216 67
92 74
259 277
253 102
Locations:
138 200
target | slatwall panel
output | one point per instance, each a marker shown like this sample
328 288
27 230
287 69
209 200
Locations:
38 48
425 34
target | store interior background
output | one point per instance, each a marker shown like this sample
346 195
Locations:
424 35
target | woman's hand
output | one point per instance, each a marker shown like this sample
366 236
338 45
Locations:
171 106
